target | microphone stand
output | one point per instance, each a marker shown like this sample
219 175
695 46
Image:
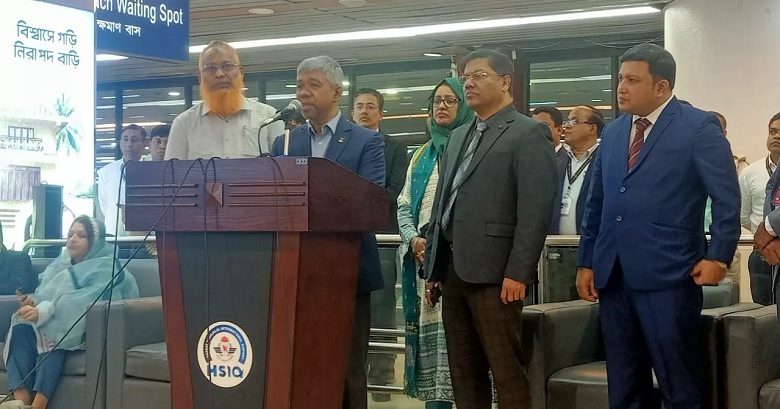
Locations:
287 127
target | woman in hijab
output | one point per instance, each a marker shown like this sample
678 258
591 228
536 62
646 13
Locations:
427 374
39 329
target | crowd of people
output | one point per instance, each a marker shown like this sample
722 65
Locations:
473 206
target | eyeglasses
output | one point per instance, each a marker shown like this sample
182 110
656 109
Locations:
449 102
478 76
572 122
367 107
226 67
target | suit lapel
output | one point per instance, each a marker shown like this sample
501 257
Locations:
624 142
454 148
667 115
303 142
339 140
486 143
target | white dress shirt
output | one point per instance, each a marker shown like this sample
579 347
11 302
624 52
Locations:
571 192
109 196
752 188
653 118
196 134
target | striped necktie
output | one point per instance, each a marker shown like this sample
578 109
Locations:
460 174
639 141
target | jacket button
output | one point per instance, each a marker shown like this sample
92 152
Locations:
619 218
622 189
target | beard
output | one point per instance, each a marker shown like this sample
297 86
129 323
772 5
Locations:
224 102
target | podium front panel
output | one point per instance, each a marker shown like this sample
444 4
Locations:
227 309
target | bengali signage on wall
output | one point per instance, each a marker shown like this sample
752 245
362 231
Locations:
47 109
155 29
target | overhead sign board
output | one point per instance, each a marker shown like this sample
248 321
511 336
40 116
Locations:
153 29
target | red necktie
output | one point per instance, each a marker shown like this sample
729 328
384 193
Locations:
638 142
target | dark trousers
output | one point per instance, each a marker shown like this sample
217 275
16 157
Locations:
760 279
22 358
381 367
644 330
355 391
483 335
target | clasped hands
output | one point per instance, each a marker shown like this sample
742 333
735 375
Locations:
27 310
767 245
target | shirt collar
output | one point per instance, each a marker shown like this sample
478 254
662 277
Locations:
772 166
244 106
653 117
331 125
588 153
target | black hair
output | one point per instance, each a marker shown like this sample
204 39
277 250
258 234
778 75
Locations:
498 61
661 62
370 91
595 118
554 113
160 130
774 118
135 127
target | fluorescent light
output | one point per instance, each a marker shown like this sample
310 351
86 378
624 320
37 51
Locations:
405 32
111 126
123 96
390 91
544 103
578 79
345 83
137 116
291 86
432 54
109 57
406 103
174 93
595 100
607 90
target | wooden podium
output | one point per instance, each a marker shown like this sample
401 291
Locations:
258 265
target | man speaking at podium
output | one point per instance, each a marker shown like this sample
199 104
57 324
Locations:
329 135
226 123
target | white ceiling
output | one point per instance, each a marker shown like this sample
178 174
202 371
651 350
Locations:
229 20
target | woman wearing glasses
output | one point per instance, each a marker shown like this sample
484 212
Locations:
427 374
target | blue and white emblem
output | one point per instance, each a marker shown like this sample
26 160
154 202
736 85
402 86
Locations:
224 354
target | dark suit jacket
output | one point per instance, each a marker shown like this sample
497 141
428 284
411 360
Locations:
503 209
651 218
395 166
361 151
561 157
581 199
15 272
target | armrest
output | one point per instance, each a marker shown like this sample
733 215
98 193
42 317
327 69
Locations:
557 336
131 323
724 294
712 351
8 306
752 358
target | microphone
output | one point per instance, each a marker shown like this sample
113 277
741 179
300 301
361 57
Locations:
285 113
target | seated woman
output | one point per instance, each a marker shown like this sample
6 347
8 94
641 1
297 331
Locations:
39 329
15 270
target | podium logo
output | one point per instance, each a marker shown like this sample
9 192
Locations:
224 354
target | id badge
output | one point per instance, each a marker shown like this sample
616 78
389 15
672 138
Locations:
565 205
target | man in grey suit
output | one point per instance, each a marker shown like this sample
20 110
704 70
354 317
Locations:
490 217
766 238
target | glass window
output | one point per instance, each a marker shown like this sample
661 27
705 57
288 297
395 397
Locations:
566 84
105 136
152 106
406 101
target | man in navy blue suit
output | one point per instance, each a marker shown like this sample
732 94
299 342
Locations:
329 135
643 253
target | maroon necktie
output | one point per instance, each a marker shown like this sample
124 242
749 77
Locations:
638 142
